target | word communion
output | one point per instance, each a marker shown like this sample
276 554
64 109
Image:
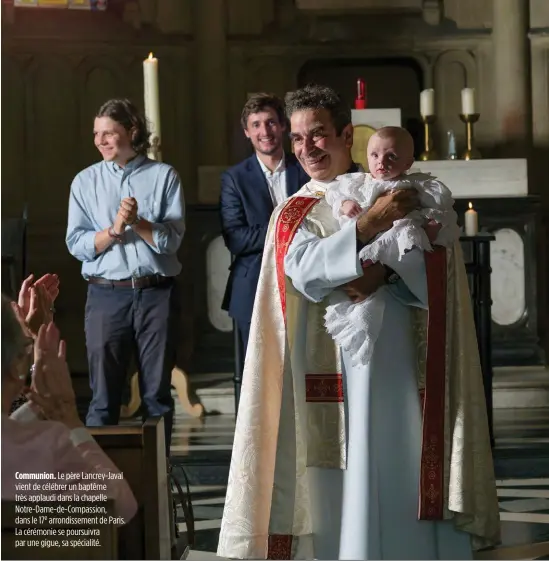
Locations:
69 476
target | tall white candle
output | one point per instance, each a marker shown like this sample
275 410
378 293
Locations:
152 103
471 221
468 101
427 102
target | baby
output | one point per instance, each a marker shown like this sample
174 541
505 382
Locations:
355 327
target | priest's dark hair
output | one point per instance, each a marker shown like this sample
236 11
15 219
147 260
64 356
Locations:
124 112
314 96
258 102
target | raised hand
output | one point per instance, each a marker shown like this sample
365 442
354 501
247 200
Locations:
23 301
39 310
51 389
51 284
48 281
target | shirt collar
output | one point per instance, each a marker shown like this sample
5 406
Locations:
320 187
132 165
280 167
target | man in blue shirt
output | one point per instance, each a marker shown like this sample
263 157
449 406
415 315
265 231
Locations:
126 223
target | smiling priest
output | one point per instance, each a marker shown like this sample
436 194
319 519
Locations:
389 459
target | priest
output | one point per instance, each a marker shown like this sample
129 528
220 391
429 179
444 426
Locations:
385 460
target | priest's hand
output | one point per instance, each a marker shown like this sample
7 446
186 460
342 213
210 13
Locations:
359 289
388 207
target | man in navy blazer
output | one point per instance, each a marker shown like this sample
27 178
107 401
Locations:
249 192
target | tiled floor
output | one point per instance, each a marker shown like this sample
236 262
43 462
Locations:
202 447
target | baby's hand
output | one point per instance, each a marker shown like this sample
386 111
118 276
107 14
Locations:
350 208
432 228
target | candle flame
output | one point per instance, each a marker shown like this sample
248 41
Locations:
470 205
150 56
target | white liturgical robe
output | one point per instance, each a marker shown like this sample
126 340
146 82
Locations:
328 457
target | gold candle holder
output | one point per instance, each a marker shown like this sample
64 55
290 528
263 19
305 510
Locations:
429 153
471 153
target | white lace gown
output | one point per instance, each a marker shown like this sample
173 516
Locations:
369 510
356 327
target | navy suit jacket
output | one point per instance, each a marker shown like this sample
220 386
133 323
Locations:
246 207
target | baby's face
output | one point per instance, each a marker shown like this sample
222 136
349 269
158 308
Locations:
388 158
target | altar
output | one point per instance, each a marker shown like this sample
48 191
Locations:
498 191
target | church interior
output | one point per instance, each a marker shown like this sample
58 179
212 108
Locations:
61 59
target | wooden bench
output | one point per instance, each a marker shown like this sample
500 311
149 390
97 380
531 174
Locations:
140 453
43 547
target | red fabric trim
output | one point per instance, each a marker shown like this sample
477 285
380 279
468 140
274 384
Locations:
280 546
324 388
288 222
431 485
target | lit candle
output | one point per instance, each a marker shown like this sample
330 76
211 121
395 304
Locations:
427 102
468 101
152 103
471 221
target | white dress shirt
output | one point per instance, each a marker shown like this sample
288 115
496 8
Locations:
276 180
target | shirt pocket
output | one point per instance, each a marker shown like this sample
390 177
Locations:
149 208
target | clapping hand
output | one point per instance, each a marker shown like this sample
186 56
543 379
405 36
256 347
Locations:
128 210
48 281
51 389
34 306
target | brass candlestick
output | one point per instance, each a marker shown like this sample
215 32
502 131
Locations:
471 153
429 153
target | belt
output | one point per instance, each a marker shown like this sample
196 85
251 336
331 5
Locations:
134 282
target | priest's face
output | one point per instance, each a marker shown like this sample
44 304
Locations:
320 150
265 132
112 140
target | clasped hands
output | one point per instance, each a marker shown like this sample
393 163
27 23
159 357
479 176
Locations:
126 216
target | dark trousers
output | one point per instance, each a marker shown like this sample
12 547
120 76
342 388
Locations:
243 336
118 322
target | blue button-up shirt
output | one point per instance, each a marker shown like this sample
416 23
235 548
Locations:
95 198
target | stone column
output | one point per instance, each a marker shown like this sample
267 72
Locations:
512 117
211 82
